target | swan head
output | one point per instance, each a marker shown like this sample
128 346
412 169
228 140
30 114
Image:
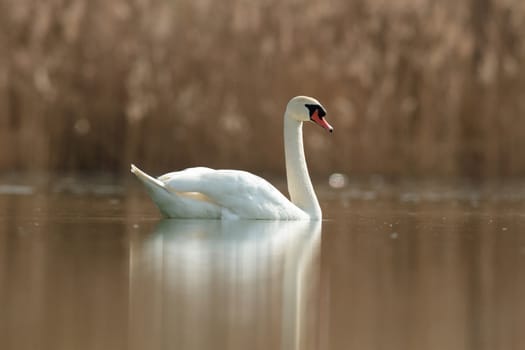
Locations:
304 109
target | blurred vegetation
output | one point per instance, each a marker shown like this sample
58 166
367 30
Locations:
412 87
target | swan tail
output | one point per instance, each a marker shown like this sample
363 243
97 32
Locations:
149 181
155 188
172 204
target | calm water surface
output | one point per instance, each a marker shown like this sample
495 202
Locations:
405 267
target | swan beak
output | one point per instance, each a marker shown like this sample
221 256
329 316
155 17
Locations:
321 121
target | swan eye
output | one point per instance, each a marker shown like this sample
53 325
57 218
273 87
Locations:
313 107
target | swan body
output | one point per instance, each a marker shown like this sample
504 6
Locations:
206 193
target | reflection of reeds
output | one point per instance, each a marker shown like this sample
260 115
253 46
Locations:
413 87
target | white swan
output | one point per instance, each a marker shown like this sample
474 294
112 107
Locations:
233 194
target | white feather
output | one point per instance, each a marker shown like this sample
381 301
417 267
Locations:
234 194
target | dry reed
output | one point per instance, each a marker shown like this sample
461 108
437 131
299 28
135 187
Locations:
413 87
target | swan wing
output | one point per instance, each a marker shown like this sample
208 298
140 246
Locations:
240 193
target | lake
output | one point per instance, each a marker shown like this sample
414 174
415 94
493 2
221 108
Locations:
409 265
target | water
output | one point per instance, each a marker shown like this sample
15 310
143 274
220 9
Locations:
391 267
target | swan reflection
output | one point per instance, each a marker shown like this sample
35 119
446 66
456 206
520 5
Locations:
226 284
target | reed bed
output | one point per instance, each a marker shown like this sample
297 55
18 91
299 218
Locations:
413 87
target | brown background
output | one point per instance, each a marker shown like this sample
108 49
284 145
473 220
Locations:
413 87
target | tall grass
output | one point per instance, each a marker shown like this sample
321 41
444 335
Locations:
413 87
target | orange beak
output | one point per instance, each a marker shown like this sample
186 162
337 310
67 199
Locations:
321 121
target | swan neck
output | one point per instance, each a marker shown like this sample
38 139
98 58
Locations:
300 186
